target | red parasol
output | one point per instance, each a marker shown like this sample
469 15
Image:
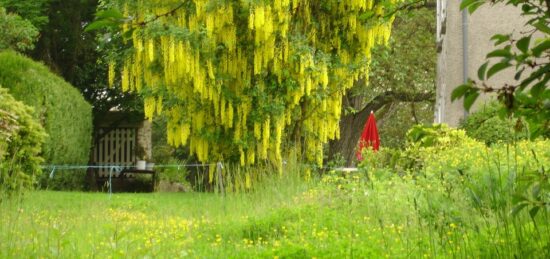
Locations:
369 137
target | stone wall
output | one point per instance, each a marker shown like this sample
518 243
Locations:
144 138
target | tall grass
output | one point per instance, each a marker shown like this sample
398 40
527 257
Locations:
372 213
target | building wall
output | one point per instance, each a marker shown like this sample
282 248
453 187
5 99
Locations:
457 63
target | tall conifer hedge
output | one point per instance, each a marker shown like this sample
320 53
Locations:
59 107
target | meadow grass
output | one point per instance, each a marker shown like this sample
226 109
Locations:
367 214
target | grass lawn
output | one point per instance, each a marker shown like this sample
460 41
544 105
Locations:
333 217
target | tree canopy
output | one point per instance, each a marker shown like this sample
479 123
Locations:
17 33
236 77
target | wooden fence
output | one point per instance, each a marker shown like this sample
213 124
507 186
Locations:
116 147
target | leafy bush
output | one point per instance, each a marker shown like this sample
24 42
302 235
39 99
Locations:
17 33
174 174
21 138
455 183
447 159
436 135
492 173
422 140
486 125
60 108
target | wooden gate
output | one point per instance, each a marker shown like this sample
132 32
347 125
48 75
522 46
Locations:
116 147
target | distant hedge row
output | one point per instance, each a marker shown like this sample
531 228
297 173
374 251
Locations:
58 106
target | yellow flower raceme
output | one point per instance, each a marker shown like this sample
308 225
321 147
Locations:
219 64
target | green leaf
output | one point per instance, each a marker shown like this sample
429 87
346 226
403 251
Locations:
542 26
535 191
497 67
104 19
481 71
466 3
518 208
517 198
109 14
535 75
473 7
98 25
526 8
521 97
518 73
505 53
533 212
416 133
366 16
539 87
541 47
470 98
460 91
503 113
128 34
523 44
500 38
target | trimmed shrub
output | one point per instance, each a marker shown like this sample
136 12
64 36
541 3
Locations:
21 138
58 106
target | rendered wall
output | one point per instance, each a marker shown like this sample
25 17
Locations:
478 29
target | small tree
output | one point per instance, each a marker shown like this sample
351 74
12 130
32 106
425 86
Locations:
528 98
237 78
17 33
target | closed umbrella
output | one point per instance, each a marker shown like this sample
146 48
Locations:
369 137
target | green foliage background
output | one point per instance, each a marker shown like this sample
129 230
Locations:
17 33
21 138
59 107
408 67
527 97
34 11
486 125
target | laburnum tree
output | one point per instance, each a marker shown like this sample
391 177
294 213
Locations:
237 78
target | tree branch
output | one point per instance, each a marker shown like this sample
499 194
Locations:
169 13
392 96
388 97
351 124
413 6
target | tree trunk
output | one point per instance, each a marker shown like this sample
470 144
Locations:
351 125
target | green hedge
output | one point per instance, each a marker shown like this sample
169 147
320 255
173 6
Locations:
21 138
59 107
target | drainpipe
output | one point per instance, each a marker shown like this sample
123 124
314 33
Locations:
465 60
440 86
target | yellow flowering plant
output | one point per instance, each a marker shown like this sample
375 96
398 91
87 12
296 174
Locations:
235 78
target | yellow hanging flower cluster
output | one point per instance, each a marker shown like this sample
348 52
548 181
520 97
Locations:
111 73
233 76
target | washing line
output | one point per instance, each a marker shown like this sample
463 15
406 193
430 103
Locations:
107 166
114 168
118 167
